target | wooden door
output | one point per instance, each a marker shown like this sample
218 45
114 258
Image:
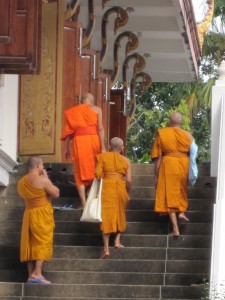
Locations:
88 72
20 36
71 70
117 117
103 102
71 64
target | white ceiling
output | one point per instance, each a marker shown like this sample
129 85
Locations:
159 26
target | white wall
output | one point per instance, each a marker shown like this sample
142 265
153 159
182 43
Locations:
8 125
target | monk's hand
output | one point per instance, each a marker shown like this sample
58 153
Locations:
67 155
44 174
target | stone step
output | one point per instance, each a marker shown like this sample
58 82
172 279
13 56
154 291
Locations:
135 203
137 169
100 291
120 278
128 253
131 215
78 227
94 252
75 298
68 239
65 180
136 192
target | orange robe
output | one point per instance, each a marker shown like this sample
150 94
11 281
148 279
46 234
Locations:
173 144
112 167
38 223
82 126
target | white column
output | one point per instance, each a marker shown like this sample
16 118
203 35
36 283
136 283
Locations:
217 92
8 125
218 169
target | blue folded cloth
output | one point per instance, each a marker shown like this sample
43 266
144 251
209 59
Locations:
193 168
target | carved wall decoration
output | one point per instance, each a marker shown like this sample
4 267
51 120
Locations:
104 3
121 20
144 84
38 94
131 45
88 32
139 65
71 9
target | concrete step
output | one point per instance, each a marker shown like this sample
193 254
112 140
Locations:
77 277
73 277
78 227
67 180
132 216
136 192
62 258
137 169
184 241
99 291
135 203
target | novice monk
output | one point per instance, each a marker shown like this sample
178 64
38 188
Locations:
170 152
38 222
84 127
115 169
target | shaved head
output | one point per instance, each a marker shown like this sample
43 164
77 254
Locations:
33 161
88 97
175 119
116 143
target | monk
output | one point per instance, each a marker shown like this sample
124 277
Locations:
115 169
83 126
170 153
38 223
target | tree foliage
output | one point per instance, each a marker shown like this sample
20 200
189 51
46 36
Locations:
193 100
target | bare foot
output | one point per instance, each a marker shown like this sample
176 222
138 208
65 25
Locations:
183 217
119 246
105 255
174 234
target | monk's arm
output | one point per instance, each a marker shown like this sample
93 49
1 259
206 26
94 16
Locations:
128 177
157 165
101 131
49 187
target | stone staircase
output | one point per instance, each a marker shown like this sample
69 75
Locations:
152 266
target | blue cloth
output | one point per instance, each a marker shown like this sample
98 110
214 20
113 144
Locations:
193 168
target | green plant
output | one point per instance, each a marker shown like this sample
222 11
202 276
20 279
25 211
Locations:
212 292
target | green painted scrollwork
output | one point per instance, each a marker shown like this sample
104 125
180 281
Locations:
139 66
88 32
121 20
131 45
144 84
71 9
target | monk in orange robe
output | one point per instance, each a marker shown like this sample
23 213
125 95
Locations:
115 169
170 152
83 126
38 223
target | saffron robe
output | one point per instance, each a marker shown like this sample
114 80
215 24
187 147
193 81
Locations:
38 223
81 124
173 144
112 167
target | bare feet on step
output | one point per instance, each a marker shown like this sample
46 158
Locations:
183 217
174 233
105 255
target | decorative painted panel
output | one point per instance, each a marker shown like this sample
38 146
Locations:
38 94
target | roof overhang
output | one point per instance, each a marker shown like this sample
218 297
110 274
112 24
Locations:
167 34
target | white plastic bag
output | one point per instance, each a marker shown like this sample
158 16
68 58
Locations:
93 208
